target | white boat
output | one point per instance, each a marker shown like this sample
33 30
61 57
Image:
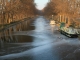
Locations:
52 22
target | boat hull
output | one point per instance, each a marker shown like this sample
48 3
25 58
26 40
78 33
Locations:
69 35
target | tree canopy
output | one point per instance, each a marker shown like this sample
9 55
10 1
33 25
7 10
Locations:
70 8
16 9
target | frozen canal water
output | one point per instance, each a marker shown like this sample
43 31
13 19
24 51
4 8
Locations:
47 44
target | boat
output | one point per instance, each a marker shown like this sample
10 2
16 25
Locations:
52 22
68 31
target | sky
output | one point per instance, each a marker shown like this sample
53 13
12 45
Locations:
41 3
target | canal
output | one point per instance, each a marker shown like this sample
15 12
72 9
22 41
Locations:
41 41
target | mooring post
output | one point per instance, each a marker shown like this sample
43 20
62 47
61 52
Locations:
4 34
14 30
10 34
1 42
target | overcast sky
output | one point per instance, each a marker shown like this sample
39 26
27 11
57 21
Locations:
41 3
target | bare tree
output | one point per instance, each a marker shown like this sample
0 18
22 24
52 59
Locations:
12 10
65 9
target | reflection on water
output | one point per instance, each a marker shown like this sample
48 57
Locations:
24 39
23 43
